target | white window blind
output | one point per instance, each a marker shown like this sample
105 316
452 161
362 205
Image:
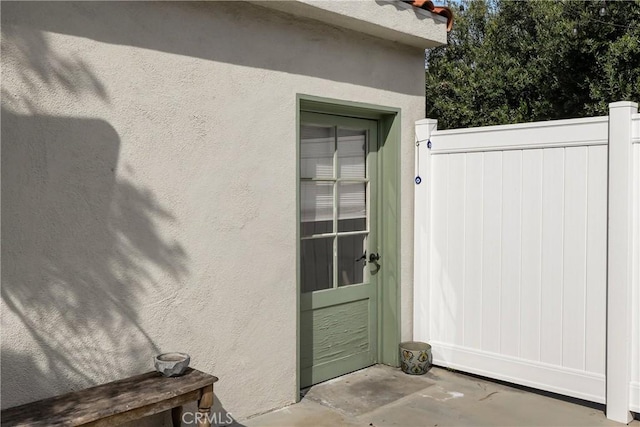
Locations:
318 145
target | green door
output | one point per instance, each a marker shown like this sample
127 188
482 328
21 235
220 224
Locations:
339 260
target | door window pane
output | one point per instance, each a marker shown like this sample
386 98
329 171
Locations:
317 145
352 206
316 264
316 207
350 267
352 149
316 227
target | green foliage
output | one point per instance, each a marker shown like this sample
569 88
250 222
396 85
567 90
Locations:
522 61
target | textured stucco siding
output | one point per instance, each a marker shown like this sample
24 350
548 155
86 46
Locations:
149 188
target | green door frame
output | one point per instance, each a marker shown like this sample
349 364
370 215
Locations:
388 216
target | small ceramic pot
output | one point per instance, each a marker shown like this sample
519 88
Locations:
172 364
415 357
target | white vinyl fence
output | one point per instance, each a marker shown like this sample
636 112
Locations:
527 254
634 398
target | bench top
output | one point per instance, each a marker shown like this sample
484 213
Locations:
85 406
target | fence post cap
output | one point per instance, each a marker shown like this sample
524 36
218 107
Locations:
623 104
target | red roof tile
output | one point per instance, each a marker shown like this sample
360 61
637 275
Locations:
438 10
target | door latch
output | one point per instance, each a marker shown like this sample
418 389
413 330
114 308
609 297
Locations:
363 257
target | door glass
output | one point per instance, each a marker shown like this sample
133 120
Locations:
352 206
316 207
317 144
334 204
317 264
350 266
352 151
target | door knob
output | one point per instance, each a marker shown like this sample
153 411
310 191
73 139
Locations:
374 257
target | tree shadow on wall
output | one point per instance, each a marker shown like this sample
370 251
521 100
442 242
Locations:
43 72
80 249
230 30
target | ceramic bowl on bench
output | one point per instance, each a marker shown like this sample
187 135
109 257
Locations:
172 364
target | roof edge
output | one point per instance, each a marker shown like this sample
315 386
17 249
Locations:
386 19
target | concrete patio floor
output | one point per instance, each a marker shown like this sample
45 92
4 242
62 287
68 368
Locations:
384 396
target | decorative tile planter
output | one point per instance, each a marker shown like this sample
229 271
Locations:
415 357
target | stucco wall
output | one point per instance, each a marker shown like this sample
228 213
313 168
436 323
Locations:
149 188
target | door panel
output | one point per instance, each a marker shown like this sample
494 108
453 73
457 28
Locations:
338 301
338 332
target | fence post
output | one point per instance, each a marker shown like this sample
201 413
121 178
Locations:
619 261
422 230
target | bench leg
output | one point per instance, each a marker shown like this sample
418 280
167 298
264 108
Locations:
204 407
176 416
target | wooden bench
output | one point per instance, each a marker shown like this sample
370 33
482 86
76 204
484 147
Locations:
120 401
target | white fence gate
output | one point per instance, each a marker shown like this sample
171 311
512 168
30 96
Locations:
527 254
